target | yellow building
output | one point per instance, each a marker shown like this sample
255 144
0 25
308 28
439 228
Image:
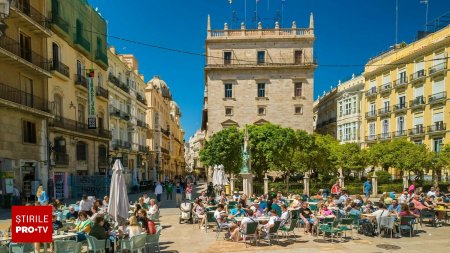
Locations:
79 133
406 93
127 112
24 108
166 138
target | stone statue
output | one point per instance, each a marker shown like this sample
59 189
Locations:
245 155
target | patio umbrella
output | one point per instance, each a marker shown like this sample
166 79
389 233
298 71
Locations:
222 179
118 196
215 175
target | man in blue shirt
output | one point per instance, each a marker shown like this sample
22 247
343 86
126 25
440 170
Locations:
367 188
238 211
394 207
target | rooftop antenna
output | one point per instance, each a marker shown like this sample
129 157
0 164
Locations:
396 22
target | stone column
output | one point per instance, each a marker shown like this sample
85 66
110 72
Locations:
232 183
341 181
405 181
306 185
247 182
266 184
374 185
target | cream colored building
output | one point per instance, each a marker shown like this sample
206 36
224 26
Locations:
166 136
192 151
349 116
24 107
325 110
127 116
255 76
77 149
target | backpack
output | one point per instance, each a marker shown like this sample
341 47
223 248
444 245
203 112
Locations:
367 229
151 227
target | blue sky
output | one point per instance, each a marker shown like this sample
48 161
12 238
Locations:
348 32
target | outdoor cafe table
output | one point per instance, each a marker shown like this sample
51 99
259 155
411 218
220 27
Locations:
259 219
64 236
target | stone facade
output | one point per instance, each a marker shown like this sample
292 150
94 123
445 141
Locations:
192 151
259 76
166 138
325 111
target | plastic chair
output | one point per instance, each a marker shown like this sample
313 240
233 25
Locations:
332 229
387 223
346 224
135 243
21 247
273 232
67 246
250 232
289 229
427 214
3 249
95 244
406 223
209 219
219 229
153 240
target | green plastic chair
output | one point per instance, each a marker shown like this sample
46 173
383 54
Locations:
289 229
153 240
346 224
313 208
333 230
96 245
21 247
155 217
135 243
250 232
67 246
209 219
3 249
273 232
407 223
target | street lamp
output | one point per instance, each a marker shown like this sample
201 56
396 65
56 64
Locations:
4 13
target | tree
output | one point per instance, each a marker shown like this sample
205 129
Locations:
323 157
224 147
381 154
409 157
351 158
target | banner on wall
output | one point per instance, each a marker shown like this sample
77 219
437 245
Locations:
92 119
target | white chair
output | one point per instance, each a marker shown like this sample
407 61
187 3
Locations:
69 246
387 223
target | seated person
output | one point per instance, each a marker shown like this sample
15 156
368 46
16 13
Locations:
97 230
276 207
307 216
56 224
273 217
394 207
296 203
153 209
413 210
381 212
406 212
355 210
369 208
238 211
318 195
221 216
72 214
324 211
429 202
200 212
133 229
236 196
211 201
83 228
248 219
285 215
203 196
417 203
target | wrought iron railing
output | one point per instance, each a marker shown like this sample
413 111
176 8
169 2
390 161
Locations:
27 54
60 67
26 8
81 80
21 97
440 96
102 92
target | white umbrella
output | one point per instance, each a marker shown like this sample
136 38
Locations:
222 178
118 196
214 177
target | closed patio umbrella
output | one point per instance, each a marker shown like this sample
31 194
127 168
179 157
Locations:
118 196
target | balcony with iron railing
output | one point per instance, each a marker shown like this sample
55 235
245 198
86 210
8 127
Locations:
17 96
141 99
401 83
61 159
276 32
32 15
436 98
76 126
386 111
103 161
438 69
304 62
113 111
384 136
101 57
165 132
417 130
116 144
59 24
141 123
144 149
418 75
10 46
437 127
116 81
81 81
417 103
371 138
82 42
372 92
399 134
61 68
402 107
102 92
125 115
371 114
165 151
385 88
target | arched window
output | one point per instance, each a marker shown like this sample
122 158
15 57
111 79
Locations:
81 151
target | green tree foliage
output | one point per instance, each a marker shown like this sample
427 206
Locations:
351 158
224 147
323 159
381 154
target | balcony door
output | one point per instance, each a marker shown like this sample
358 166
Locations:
100 121
25 47
400 124
298 56
56 55
57 107
27 87
24 5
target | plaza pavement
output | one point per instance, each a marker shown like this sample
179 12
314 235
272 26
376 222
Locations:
188 238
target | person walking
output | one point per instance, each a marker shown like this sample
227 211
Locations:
178 194
169 190
367 188
189 191
158 191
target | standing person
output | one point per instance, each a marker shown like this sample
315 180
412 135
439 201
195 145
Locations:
178 193
367 188
169 190
158 191
336 189
189 191
41 195
16 196
412 187
210 189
